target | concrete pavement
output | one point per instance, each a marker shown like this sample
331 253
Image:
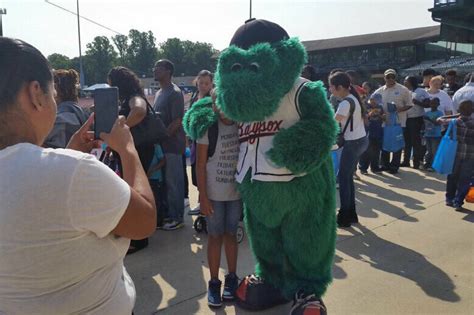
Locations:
410 254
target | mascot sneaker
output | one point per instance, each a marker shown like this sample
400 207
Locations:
307 305
256 295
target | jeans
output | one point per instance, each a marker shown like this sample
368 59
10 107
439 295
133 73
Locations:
159 192
185 178
412 136
225 218
351 152
174 179
371 157
391 165
432 144
459 180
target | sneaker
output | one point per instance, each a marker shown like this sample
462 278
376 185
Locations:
376 170
186 203
405 164
449 203
309 304
430 169
172 225
214 293
195 211
230 286
364 172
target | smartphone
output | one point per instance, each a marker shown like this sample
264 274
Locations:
105 109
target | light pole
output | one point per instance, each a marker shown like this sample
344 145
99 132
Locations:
250 9
2 12
81 73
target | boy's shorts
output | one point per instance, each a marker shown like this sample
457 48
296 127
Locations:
225 218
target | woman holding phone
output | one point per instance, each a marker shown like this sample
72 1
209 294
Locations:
66 219
133 105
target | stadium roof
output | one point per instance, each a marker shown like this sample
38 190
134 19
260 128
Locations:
414 34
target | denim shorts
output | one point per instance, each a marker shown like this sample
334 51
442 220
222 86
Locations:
225 218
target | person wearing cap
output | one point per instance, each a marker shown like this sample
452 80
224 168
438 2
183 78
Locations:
394 93
412 132
371 157
286 132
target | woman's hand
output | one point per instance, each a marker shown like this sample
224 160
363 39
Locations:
119 139
206 206
83 139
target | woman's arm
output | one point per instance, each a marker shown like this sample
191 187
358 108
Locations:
138 108
201 162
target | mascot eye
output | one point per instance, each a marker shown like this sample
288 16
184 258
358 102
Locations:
236 67
254 66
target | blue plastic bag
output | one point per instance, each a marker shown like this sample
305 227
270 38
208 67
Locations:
393 140
443 162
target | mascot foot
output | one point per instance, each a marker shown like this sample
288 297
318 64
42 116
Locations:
255 294
308 305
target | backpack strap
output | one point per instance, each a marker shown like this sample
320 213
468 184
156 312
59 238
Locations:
212 134
351 115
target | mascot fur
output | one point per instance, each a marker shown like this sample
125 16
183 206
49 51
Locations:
285 171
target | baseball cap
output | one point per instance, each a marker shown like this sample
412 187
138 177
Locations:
258 31
377 97
390 71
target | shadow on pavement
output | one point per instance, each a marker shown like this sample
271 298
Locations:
404 262
178 277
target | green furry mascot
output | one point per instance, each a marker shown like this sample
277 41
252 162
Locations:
286 131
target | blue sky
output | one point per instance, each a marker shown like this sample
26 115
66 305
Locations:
53 30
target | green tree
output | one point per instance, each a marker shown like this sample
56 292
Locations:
100 58
188 57
59 61
141 52
121 42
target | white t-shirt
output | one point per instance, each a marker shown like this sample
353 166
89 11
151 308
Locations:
57 255
221 166
358 130
445 102
464 93
399 95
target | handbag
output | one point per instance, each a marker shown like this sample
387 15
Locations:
150 130
443 162
340 137
393 140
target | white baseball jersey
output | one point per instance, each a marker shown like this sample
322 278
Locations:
256 139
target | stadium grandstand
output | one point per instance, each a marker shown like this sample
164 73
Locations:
449 45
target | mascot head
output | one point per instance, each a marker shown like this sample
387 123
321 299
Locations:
257 70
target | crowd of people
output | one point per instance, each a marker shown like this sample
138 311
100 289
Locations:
79 227
421 108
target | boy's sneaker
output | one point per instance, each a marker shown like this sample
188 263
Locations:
195 211
172 225
309 304
230 286
214 293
